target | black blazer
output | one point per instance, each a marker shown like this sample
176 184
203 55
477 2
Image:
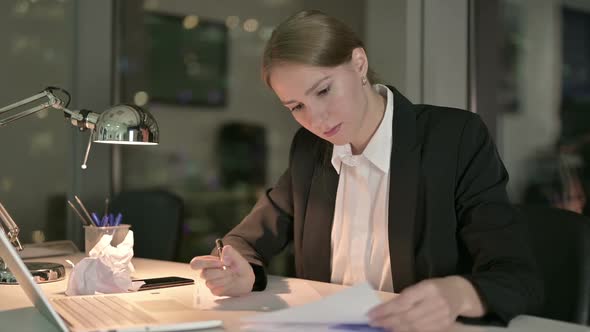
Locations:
449 213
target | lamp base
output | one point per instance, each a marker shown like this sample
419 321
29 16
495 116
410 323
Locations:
42 272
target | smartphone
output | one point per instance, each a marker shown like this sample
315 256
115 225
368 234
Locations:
153 283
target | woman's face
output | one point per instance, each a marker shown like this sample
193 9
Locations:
328 101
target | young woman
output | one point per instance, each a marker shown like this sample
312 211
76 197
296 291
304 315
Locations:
410 198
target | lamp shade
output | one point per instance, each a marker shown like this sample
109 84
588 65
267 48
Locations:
126 124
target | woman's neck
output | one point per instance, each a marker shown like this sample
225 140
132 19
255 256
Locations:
375 111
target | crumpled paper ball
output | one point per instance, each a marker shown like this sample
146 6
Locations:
108 269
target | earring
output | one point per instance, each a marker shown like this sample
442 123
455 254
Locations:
364 80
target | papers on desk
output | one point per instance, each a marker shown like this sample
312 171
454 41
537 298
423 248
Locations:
524 323
47 249
343 311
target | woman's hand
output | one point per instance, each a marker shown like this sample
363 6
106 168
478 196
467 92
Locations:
230 276
430 305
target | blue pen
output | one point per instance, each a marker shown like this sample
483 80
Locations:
118 219
111 219
95 219
104 221
355 327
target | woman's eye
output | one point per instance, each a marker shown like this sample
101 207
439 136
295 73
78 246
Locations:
324 91
298 107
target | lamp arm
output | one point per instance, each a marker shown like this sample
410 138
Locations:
126 132
52 101
82 119
10 228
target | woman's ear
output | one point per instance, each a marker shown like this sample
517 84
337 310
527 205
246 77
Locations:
359 61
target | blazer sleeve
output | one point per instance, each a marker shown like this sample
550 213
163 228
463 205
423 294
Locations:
504 272
268 228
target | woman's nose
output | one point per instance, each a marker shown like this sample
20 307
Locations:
318 117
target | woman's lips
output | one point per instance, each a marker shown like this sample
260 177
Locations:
333 131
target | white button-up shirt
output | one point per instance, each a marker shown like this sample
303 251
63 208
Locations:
360 244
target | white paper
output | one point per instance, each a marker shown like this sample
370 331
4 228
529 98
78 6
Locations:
531 323
349 306
273 327
35 252
47 249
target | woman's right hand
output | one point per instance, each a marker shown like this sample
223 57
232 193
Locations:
230 276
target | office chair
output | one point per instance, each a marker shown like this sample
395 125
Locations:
156 218
560 241
242 154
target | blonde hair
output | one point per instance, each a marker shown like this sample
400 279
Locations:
313 38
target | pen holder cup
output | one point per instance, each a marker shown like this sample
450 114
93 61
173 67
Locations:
93 234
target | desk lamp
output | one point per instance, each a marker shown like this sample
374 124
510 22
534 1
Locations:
120 124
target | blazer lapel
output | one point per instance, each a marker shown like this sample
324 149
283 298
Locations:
403 189
404 182
317 239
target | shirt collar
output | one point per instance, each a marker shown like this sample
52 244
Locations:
378 151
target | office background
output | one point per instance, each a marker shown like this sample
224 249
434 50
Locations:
522 64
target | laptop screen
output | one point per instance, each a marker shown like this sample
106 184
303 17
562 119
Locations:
26 282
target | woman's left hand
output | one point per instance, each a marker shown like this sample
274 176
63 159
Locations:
430 305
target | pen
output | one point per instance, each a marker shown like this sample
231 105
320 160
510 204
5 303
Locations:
83 208
106 206
96 219
84 221
219 246
118 219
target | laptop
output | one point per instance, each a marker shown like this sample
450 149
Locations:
89 313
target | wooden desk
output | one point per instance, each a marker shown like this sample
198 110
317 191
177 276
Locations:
18 314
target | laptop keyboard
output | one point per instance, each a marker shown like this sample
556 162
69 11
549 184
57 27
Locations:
100 311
